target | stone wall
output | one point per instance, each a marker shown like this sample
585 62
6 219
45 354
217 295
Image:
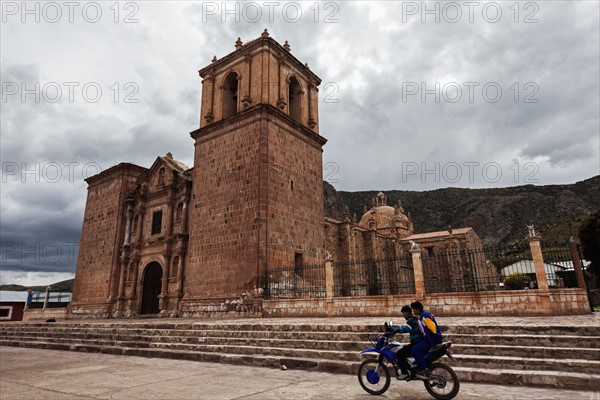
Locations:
39 314
500 303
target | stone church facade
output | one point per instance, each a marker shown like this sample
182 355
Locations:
178 241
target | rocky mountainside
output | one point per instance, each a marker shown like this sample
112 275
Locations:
497 215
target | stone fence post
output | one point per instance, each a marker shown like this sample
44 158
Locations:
418 271
577 264
538 261
329 280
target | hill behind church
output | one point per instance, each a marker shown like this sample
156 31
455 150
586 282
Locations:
499 216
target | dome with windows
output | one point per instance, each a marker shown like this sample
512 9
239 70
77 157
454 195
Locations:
392 221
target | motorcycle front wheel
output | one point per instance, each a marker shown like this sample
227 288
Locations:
443 383
374 376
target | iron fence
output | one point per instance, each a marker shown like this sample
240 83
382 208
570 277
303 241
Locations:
445 271
558 263
459 271
388 276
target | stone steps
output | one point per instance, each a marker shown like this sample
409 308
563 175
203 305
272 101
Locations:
526 340
501 355
307 349
530 351
239 339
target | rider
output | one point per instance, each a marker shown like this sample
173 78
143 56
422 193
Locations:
432 336
412 328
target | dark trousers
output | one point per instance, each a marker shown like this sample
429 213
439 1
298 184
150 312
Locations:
401 356
419 351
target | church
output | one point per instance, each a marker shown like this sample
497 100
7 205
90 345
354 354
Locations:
170 240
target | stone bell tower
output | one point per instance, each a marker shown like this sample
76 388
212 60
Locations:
257 196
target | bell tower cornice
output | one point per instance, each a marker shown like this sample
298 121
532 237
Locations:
261 71
261 43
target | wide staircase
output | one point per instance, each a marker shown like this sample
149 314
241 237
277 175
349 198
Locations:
547 355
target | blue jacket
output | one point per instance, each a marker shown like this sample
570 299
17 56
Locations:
411 327
430 329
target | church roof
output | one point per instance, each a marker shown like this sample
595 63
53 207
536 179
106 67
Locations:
438 234
383 215
174 164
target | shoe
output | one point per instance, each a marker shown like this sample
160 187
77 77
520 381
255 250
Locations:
402 377
422 374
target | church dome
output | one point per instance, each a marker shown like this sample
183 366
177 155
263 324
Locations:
386 219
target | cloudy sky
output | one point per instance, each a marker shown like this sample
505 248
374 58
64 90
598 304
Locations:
414 96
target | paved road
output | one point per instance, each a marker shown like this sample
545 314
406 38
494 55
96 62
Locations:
47 374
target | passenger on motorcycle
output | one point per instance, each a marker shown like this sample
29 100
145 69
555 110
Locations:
412 328
432 336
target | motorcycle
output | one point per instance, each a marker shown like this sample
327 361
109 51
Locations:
374 376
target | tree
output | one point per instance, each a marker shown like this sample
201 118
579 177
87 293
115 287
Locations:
589 236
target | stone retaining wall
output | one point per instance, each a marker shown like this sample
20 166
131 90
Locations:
39 314
501 303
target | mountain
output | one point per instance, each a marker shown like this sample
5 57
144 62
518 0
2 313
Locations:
497 215
62 286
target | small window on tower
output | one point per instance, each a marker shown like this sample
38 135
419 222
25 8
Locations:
156 222
230 95
295 95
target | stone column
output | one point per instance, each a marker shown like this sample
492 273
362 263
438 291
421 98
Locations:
418 272
131 298
247 99
170 210
123 273
281 89
46 298
165 284
129 216
134 280
184 216
312 105
538 261
577 264
208 84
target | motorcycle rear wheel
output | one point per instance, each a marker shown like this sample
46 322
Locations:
374 376
443 383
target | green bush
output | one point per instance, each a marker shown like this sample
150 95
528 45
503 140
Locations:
516 281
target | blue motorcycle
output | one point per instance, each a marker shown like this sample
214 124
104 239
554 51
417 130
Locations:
374 376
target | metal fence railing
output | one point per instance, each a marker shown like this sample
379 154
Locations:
387 276
459 271
558 263
449 270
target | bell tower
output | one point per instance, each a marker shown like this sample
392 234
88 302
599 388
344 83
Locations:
257 196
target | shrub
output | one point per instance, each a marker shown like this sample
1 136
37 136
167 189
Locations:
516 281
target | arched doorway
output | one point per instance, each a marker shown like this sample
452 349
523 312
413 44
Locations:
151 289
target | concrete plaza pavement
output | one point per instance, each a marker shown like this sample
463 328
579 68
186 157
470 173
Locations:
48 374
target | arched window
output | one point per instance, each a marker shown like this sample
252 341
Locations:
230 95
295 95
